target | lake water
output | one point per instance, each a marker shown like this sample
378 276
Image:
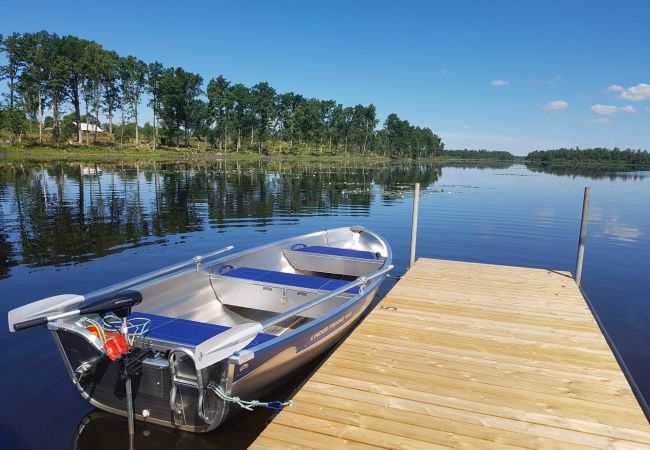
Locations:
71 228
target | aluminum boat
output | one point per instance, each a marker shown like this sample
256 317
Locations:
204 331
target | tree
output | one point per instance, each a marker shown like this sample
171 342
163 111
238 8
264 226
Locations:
327 127
15 121
199 119
72 50
241 105
310 123
96 63
154 76
57 84
178 90
11 71
36 51
147 131
220 103
263 108
111 88
43 70
369 123
132 76
286 106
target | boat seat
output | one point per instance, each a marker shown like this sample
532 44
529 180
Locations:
335 251
288 279
187 332
317 259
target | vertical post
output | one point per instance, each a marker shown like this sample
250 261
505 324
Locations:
414 223
583 234
129 389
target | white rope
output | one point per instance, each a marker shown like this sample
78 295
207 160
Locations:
97 325
247 404
136 326
83 369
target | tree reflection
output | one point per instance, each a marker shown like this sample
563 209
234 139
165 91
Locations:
593 171
66 213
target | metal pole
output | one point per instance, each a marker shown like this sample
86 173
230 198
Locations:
414 223
583 234
129 390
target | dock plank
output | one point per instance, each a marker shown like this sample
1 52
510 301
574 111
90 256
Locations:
467 355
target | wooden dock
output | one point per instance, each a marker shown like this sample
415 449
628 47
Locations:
471 356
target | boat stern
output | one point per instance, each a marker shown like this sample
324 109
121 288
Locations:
167 389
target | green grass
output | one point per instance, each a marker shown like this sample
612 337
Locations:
32 152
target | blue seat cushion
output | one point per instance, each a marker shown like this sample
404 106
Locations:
187 332
335 251
289 279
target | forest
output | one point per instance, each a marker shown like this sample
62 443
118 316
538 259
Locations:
55 82
478 155
597 155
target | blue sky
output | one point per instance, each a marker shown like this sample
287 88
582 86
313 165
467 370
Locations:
507 75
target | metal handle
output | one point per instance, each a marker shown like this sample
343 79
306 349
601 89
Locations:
320 299
175 382
30 323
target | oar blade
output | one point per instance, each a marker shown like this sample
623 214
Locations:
46 307
225 344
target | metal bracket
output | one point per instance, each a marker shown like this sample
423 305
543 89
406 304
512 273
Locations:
241 357
197 261
176 382
362 287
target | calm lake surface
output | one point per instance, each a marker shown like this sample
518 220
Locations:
71 228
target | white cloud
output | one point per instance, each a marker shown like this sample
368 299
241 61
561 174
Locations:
556 105
615 88
466 127
499 83
608 110
636 93
598 121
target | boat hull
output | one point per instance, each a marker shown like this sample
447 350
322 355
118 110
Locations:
104 389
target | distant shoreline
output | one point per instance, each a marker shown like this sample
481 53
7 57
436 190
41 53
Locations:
108 154
115 154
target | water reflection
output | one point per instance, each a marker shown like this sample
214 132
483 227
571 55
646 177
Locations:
614 229
58 214
65 213
103 431
595 172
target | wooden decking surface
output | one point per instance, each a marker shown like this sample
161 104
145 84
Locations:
472 356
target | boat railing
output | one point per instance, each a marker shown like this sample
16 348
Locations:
361 281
